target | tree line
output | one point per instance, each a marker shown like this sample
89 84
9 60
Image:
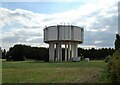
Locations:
21 52
95 54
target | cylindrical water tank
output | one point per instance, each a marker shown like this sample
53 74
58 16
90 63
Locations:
63 33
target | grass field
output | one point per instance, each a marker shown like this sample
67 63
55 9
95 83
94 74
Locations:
46 72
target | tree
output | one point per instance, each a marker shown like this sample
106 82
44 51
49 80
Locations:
93 53
117 42
22 52
4 54
16 53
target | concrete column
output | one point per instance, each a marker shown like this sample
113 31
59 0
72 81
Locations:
73 50
51 51
76 49
59 52
65 51
69 50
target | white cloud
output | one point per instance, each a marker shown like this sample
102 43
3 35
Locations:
33 39
96 42
95 17
87 46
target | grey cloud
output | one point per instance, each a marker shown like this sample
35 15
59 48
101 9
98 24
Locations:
11 39
107 39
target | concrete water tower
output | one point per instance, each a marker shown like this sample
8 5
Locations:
59 35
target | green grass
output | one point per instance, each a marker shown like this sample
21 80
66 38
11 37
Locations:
48 72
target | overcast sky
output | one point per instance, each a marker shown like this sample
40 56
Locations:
23 22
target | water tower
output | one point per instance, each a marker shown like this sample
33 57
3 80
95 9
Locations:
57 36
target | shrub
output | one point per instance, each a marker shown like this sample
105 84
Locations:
114 67
107 58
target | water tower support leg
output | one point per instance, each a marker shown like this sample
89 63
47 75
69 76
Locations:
73 50
68 50
76 49
59 51
65 51
51 51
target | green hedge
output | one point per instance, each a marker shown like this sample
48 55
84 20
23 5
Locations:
114 67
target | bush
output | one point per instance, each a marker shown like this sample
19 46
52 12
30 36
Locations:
107 58
114 67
